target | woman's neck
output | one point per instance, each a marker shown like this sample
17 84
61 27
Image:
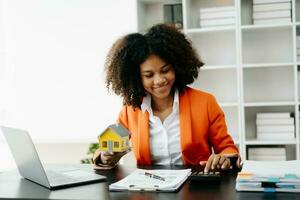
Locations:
159 105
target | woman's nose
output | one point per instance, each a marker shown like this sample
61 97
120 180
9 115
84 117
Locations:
159 80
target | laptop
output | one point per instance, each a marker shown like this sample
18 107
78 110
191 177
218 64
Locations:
31 168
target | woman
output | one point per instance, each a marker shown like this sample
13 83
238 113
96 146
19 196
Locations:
170 123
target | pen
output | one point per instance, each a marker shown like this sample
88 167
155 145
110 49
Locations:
154 176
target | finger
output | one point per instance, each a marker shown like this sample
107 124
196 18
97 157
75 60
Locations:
104 159
202 163
107 159
208 163
96 167
96 156
238 162
226 164
215 161
108 153
222 159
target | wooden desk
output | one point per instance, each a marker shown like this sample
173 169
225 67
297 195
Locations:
12 186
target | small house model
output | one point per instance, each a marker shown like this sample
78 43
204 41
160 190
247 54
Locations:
114 138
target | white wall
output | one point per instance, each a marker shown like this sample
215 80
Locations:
51 66
55 54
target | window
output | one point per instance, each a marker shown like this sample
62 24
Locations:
104 144
116 144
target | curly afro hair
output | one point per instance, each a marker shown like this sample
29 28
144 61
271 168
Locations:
128 52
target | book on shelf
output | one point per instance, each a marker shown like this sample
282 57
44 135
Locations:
217 22
271 121
173 14
269 176
269 1
217 9
275 128
272 14
274 115
272 21
275 136
217 15
272 7
177 18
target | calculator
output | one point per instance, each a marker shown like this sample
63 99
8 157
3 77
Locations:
210 177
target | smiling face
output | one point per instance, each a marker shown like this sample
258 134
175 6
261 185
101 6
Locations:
157 77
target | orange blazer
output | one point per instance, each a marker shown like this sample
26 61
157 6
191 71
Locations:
202 127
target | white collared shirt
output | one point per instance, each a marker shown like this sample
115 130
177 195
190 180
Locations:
165 145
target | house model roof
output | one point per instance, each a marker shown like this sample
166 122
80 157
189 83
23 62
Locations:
118 128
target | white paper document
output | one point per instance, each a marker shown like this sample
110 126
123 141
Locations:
161 180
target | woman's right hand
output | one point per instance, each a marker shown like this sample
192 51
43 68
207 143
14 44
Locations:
104 160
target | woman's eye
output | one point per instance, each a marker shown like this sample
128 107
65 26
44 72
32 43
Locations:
165 70
148 75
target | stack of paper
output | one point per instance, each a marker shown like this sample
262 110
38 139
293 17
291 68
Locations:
160 180
217 16
272 11
275 126
272 176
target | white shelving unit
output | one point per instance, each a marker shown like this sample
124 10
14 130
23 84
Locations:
248 68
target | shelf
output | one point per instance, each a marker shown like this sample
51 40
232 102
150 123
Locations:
210 29
270 142
267 26
258 65
248 67
217 67
260 104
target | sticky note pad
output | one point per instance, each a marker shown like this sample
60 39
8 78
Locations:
273 179
290 176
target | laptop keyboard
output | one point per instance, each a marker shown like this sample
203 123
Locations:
68 177
59 178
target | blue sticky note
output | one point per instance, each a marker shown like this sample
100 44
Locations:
287 186
269 190
290 176
273 179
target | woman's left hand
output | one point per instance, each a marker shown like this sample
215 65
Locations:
216 162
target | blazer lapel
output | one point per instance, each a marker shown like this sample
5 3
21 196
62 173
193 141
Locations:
144 140
185 124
